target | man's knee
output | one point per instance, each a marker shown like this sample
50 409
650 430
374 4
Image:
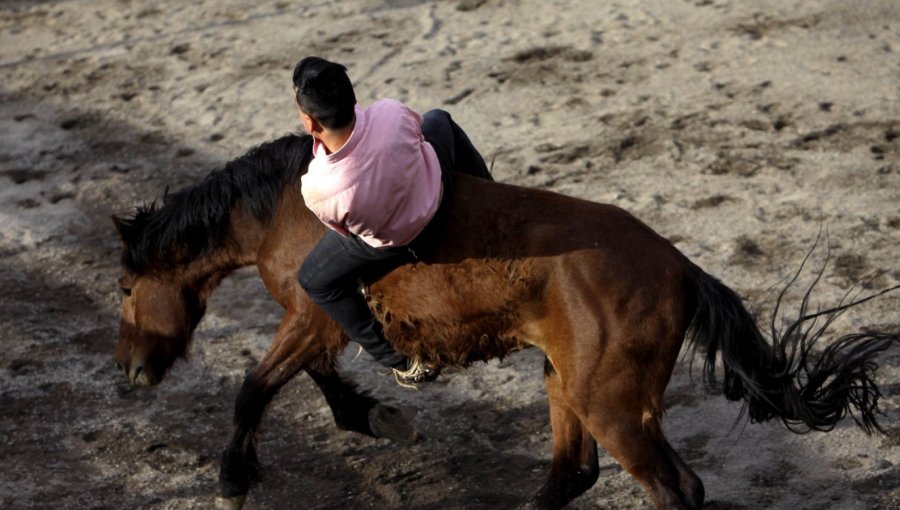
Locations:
305 281
435 115
310 282
437 125
320 295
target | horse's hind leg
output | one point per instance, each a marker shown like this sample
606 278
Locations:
574 468
688 481
619 415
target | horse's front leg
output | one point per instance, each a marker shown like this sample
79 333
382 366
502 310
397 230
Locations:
304 340
359 412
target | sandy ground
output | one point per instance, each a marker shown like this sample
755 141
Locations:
734 128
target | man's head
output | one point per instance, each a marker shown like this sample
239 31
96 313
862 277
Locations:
323 92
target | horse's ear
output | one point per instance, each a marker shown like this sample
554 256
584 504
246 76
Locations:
123 227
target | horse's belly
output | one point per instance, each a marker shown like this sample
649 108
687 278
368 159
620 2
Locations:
455 313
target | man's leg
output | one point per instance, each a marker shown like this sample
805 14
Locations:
329 276
454 149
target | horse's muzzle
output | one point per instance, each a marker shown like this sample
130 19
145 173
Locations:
139 375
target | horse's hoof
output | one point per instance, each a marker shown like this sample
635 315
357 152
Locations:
389 422
233 503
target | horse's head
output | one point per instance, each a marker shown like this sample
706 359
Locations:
159 312
169 250
158 317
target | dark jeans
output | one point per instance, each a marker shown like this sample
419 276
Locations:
330 273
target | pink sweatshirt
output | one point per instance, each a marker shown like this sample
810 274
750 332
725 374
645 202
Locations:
383 185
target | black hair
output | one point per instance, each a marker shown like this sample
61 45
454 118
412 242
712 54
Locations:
195 220
324 92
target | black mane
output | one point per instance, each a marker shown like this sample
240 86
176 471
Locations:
193 221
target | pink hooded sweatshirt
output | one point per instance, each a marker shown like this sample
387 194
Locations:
383 185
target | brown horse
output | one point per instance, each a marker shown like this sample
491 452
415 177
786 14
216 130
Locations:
608 300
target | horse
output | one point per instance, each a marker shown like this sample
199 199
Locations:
608 300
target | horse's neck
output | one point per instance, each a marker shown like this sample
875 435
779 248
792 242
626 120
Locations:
238 249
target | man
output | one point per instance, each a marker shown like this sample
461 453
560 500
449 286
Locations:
376 180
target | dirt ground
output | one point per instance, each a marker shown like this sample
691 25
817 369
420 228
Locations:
736 129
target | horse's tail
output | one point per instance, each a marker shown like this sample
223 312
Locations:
773 373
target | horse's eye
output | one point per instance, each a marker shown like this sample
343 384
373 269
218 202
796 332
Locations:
126 290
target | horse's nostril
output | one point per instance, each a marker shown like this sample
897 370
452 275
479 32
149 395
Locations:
119 366
135 374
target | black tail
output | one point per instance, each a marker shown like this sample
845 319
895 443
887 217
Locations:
776 376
